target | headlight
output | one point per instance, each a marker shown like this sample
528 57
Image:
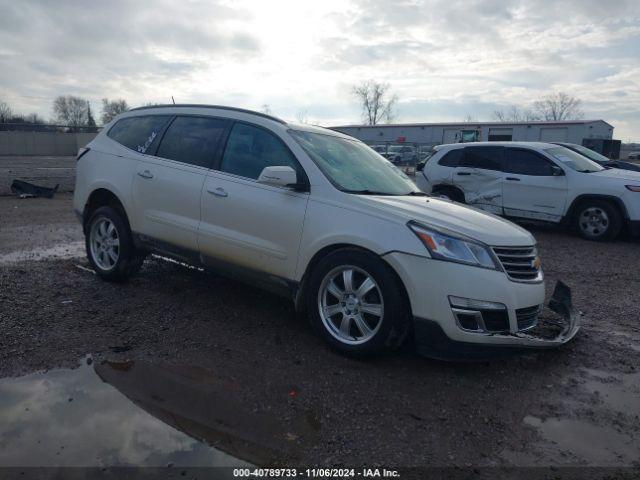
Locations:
452 248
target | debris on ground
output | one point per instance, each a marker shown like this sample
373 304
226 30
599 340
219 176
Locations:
28 190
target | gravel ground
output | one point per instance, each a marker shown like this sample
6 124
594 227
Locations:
44 171
578 405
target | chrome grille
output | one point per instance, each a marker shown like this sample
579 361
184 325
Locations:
528 317
519 263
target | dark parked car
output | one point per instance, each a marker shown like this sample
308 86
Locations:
600 159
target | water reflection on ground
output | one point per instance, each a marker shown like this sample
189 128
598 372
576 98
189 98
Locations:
71 417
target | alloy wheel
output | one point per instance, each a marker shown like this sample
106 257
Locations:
594 221
350 304
105 243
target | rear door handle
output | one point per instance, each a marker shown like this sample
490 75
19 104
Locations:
463 173
513 179
218 192
146 174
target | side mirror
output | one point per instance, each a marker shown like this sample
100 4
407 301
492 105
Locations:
420 166
279 176
556 171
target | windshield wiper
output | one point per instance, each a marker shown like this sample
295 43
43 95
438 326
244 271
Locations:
366 191
417 194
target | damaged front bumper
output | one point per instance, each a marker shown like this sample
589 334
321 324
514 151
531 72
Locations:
558 324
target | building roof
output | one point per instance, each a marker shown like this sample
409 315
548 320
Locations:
472 124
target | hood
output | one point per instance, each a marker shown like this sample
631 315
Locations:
618 173
440 213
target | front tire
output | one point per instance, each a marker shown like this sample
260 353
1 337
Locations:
109 245
598 220
357 304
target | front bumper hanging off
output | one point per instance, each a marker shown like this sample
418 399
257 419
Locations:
554 330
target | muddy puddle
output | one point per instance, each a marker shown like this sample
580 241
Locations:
602 430
126 413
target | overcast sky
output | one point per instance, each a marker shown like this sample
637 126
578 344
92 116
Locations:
444 59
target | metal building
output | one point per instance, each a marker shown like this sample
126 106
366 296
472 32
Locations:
595 134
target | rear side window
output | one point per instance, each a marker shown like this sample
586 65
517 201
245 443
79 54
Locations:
138 133
250 149
451 159
192 140
525 162
488 158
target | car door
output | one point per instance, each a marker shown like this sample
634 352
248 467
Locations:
246 223
532 187
479 175
168 184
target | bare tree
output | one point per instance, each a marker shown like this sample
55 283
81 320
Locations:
302 116
266 109
376 101
112 108
559 106
70 110
5 112
35 119
515 114
468 118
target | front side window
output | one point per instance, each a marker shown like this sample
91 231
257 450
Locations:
192 140
351 166
250 149
573 160
525 162
138 133
487 158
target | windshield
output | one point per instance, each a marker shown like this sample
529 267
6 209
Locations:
352 166
587 152
574 160
395 149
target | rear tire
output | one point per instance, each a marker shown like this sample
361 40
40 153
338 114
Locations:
597 220
451 193
357 304
110 247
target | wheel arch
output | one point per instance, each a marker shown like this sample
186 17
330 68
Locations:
447 186
580 199
301 293
101 197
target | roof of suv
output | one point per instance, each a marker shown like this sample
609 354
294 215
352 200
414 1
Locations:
292 125
218 107
498 144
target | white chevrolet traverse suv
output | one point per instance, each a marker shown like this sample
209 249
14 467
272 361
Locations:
315 215
541 181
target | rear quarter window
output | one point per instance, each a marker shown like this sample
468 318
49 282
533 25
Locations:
138 133
452 158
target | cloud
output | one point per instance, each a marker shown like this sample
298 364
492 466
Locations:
473 55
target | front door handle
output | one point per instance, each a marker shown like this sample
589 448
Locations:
218 192
513 179
463 173
146 174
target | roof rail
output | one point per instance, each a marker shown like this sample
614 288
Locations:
220 107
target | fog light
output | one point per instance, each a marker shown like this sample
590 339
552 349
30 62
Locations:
479 316
468 303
